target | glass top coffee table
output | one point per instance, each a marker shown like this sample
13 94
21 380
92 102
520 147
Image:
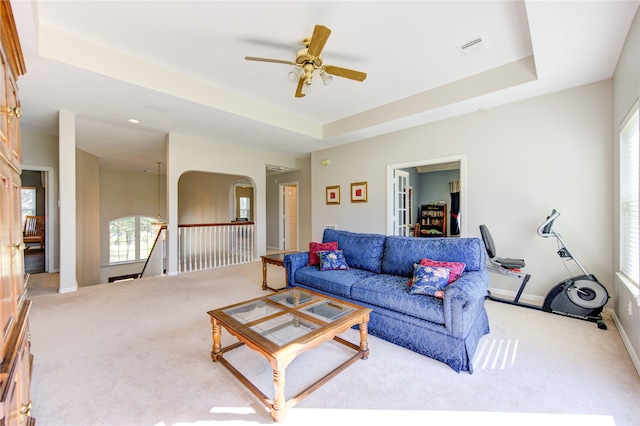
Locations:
280 327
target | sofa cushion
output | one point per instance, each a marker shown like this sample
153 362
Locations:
361 251
400 253
429 280
334 282
391 292
455 268
331 260
315 247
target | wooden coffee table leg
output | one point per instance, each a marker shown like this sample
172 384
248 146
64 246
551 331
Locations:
364 347
217 332
278 410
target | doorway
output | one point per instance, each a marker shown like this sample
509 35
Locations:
402 205
41 180
455 163
288 234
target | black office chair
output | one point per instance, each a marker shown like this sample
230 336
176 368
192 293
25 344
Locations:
504 266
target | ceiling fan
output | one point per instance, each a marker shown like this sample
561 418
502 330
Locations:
309 62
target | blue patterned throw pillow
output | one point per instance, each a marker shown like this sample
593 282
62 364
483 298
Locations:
429 280
332 260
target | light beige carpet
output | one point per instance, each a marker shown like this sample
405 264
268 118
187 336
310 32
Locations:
138 353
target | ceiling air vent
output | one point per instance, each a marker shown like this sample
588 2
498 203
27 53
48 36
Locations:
271 169
474 47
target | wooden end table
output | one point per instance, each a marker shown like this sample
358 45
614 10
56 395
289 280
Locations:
273 259
280 327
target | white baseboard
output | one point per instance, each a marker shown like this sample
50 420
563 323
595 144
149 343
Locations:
68 289
626 341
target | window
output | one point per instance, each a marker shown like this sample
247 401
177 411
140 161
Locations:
245 207
130 238
629 190
28 195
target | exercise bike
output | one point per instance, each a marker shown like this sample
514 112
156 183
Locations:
581 297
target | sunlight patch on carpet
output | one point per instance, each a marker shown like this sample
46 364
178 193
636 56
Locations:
496 354
333 416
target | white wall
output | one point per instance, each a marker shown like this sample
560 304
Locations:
206 197
87 223
626 90
522 160
125 194
302 178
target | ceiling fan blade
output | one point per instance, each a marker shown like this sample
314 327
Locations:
318 40
276 61
299 93
346 73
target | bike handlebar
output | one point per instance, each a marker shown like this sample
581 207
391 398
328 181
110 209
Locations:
544 230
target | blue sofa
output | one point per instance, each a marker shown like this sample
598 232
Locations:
380 268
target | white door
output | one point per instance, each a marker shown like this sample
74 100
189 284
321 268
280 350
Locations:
289 216
401 203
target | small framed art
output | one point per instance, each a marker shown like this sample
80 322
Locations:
333 195
359 192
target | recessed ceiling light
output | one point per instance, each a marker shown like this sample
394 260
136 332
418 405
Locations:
134 121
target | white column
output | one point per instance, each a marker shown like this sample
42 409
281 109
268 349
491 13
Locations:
67 201
172 210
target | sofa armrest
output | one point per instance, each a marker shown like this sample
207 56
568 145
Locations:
464 301
293 262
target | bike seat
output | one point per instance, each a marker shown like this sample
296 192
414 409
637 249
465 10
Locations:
509 263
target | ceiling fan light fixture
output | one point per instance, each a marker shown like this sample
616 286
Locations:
306 87
309 64
295 74
326 77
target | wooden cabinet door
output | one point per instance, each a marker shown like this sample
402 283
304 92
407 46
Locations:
7 300
12 290
4 112
22 402
13 123
15 402
15 236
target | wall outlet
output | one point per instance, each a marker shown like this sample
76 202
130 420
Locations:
629 310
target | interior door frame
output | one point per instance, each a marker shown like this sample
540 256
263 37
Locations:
281 202
396 204
50 215
424 162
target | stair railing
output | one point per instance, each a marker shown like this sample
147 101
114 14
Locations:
205 246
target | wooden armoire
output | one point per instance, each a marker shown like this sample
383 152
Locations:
15 370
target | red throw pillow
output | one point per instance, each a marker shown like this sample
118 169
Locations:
456 267
315 247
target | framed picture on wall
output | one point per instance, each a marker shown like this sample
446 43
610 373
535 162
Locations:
333 195
359 192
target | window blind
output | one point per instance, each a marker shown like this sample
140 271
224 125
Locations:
629 192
